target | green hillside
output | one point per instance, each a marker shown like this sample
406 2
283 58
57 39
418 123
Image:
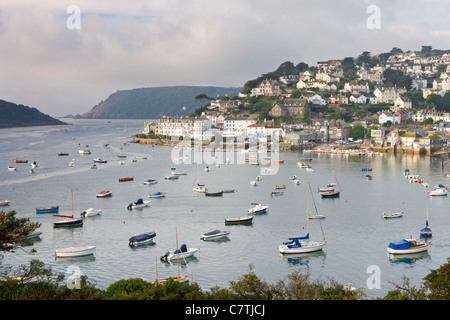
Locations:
17 115
155 102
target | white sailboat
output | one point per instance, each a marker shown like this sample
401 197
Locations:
302 244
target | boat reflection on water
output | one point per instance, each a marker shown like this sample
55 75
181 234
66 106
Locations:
408 258
303 259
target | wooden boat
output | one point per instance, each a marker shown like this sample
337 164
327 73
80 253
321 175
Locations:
150 181
214 235
91 212
171 177
138 204
214 194
20 161
126 179
239 220
297 245
183 252
392 215
158 194
406 246
4 202
70 221
142 238
53 209
62 154
75 251
100 160
104 194
280 186
257 209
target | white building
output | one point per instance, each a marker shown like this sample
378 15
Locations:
237 124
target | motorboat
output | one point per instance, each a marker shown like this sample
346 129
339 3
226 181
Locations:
104 194
439 190
183 252
214 235
172 177
91 212
253 183
138 204
4 202
181 173
126 179
100 160
158 194
75 251
142 238
199 189
392 215
257 208
276 193
239 220
280 186
406 246
150 181
11 168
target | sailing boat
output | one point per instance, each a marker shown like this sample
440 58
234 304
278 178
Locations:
426 232
331 193
302 244
70 222
179 278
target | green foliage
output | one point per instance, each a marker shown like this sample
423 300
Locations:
14 115
358 131
438 282
13 230
397 78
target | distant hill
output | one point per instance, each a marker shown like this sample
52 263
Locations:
17 115
155 102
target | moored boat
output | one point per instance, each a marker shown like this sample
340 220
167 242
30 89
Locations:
126 179
75 251
276 193
11 168
183 252
406 246
104 194
150 181
392 215
52 209
138 204
20 161
281 186
158 194
91 212
214 235
172 177
142 238
214 194
257 208
100 160
62 154
4 202
199 189
239 220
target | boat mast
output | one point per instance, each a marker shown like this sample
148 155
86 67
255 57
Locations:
307 211
178 262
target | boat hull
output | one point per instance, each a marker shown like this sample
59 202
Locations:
181 255
70 223
305 247
417 249
53 209
240 220
75 251
214 235
104 194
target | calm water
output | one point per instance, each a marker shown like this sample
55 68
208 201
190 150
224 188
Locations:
355 233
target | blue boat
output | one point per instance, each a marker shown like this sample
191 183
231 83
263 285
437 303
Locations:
276 193
142 238
53 209
426 232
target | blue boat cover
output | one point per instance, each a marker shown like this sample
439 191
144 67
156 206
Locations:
142 237
183 248
139 201
402 244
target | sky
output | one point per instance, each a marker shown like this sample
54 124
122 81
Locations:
64 57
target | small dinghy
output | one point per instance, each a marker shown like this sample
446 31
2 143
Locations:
142 238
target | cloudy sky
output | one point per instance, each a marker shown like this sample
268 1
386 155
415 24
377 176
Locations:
51 60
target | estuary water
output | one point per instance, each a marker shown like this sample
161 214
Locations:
355 233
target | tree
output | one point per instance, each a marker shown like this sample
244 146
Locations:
438 282
13 230
358 131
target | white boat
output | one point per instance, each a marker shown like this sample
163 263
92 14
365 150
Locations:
4 202
293 177
75 251
34 165
11 168
104 194
439 190
171 177
91 212
207 169
309 169
407 246
199 189
257 208
182 173
150 181
392 215
296 181
138 204
297 245
71 164
100 160
183 252
158 194
142 238
253 183
214 235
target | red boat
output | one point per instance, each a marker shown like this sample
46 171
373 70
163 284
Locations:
19 161
278 161
104 194
126 179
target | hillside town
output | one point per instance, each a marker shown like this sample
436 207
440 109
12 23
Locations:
397 101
